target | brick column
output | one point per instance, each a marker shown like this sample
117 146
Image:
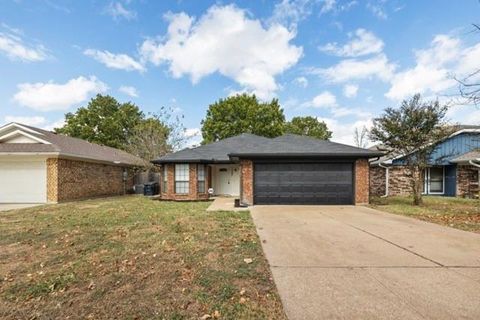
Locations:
361 181
52 180
246 181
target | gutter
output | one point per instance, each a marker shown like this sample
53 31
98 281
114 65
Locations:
473 162
387 178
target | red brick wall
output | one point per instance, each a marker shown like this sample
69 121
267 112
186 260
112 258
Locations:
246 178
71 180
362 171
170 194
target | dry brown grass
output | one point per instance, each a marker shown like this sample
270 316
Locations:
132 258
453 212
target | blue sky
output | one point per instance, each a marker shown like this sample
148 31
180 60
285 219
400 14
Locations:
340 61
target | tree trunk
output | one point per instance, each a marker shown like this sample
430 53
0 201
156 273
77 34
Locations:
417 186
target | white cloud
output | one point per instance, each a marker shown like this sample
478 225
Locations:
464 114
378 10
30 121
324 99
350 90
291 12
328 5
301 82
435 68
115 61
52 125
225 40
362 42
15 48
52 96
35 121
344 132
129 91
193 137
117 11
350 69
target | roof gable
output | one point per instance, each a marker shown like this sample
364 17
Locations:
21 136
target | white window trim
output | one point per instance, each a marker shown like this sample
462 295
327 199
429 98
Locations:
426 182
187 181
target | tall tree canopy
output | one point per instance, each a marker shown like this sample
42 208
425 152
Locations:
242 114
308 126
108 122
104 121
412 131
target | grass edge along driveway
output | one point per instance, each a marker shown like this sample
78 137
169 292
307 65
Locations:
133 258
453 212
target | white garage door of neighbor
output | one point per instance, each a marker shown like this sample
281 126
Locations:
23 181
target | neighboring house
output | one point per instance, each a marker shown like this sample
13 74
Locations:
289 169
39 166
453 168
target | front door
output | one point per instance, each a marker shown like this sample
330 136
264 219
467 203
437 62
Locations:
227 180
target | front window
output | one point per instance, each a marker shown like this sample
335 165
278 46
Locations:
201 178
165 178
434 180
182 178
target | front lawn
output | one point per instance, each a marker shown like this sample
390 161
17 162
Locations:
453 212
133 258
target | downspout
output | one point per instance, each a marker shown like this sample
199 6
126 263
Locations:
386 179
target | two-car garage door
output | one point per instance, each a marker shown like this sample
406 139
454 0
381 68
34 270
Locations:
303 183
23 181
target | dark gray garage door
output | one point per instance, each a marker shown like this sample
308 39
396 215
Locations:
303 183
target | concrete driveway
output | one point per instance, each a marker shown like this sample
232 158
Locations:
11 206
359 263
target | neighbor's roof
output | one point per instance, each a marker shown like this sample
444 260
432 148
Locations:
472 155
50 142
249 145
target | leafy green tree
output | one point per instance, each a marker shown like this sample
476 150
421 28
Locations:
412 131
308 126
242 114
104 121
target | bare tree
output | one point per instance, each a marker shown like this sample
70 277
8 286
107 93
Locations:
469 86
158 134
361 137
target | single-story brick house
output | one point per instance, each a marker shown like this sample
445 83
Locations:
39 166
289 169
454 168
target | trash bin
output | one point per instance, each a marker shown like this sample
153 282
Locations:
150 189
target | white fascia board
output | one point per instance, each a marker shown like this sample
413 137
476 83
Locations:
19 126
26 134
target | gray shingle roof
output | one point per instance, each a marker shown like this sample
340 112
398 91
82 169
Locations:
68 146
472 155
249 145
